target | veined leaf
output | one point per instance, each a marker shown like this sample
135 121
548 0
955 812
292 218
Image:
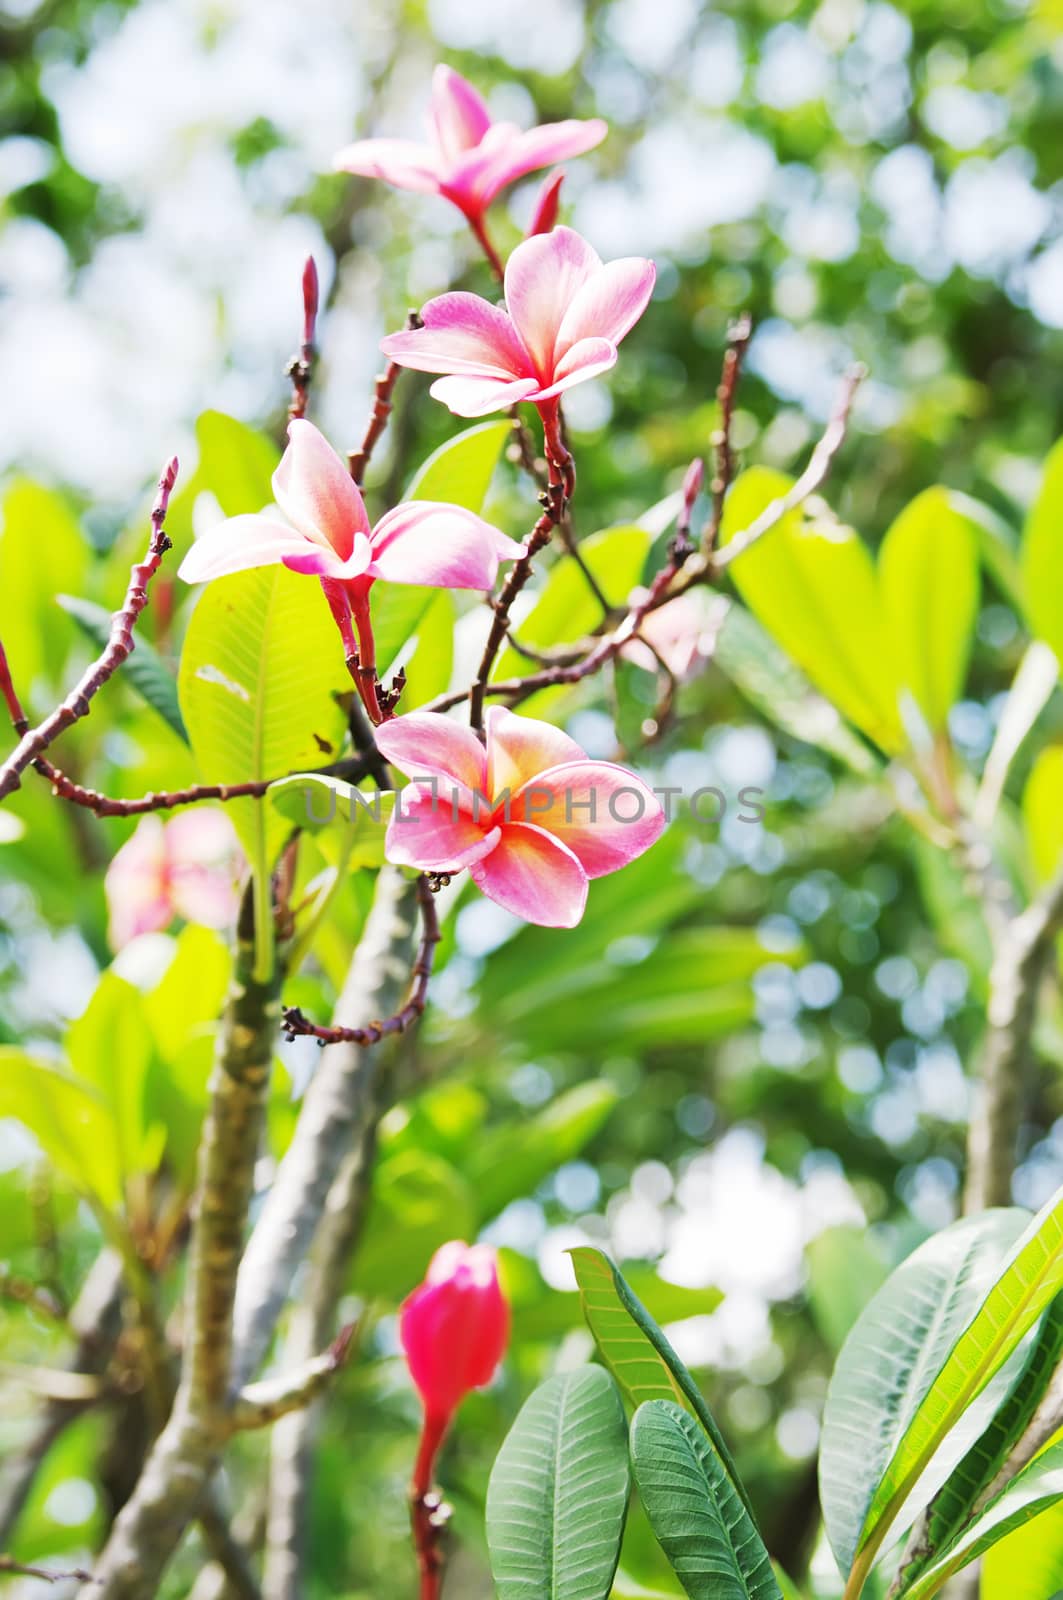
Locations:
144 669
1042 556
812 583
1031 1277
928 578
899 1344
1036 1489
637 1352
1028 1563
260 665
695 1510
558 1493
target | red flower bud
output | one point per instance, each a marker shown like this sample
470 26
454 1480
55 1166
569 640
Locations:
454 1327
547 205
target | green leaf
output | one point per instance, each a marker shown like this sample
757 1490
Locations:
770 682
144 669
349 825
236 463
557 1497
513 1159
889 1362
1042 556
566 609
1036 1489
636 1351
695 1510
461 470
1032 1276
1028 1563
418 1202
109 1047
428 669
260 663
1042 812
928 578
844 1271
41 553
69 1119
950 1509
812 583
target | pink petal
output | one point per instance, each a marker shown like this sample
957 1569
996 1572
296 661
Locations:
539 147
443 546
476 397
321 561
434 829
237 544
425 742
136 885
585 360
459 115
543 277
604 814
315 491
519 748
609 304
462 333
399 161
534 876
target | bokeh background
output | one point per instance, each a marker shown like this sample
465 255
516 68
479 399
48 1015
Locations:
772 1110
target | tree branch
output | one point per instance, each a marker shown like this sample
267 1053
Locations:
35 741
383 389
260 1404
738 338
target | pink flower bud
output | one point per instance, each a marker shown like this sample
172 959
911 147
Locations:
455 1326
310 300
547 205
695 477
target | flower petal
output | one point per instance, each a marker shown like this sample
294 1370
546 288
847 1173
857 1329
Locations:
462 333
320 561
476 397
603 813
236 545
519 748
443 546
539 147
534 876
136 885
425 742
399 161
433 827
543 277
585 360
315 491
609 304
459 116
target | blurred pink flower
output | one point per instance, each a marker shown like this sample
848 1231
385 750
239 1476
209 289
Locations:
469 159
420 541
565 314
186 867
683 632
531 816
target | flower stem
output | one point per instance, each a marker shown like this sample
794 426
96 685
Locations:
483 239
429 1514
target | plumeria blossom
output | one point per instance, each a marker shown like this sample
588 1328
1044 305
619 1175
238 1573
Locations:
186 867
565 314
680 634
531 816
469 159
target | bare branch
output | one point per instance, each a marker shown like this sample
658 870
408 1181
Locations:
300 368
47 1574
738 338
261 1404
383 389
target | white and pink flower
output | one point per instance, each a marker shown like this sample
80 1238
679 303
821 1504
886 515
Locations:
531 816
186 867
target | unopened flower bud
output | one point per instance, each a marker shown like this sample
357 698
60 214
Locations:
547 205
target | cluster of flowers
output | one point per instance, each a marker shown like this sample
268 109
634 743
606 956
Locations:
564 315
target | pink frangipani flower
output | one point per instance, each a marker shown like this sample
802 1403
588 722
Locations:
565 314
531 816
186 867
469 158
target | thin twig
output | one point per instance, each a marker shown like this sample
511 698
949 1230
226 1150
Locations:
351 770
47 1574
259 1405
35 741
738 338
300 368
296 1025
383 389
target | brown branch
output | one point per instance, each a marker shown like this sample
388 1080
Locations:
351 770
35 741
738 338
296 1025
383 389
300 368
47 1574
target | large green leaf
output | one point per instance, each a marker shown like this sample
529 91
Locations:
899 1344
636 1351
260 665
144 669
558 1493
928 578
695 1509
41 553
812 583
1036 1489
70 1120
1031 1277
1042 556
1028 1563
950 1508
1042 812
